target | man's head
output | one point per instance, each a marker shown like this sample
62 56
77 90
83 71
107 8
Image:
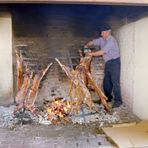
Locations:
105 31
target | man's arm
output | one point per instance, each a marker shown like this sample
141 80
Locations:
96 53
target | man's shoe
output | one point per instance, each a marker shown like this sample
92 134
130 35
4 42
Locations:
115 105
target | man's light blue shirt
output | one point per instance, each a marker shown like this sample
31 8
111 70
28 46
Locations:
109 46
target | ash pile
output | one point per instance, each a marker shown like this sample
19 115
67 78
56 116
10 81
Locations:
43 117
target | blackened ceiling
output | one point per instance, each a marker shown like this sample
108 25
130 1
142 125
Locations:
33 16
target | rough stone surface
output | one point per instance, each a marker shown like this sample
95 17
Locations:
33 136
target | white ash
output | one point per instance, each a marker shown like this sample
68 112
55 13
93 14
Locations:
43 119
6 116
84 116
102 117
9 120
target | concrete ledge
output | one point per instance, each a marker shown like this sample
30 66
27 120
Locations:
109 2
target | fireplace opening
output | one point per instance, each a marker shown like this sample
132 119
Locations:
47 35
43 32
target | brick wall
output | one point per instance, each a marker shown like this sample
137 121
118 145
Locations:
58 36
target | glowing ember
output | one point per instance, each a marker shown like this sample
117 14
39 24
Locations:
58 109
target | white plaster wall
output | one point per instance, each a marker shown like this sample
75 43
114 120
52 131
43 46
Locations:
140 104
133 42
126 43
6 75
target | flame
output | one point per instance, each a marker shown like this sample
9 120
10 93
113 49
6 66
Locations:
58 108
65 109
49 110
68 104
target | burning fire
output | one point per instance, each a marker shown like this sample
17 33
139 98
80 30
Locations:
58 109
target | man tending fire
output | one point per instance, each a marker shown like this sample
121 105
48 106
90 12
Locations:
111 55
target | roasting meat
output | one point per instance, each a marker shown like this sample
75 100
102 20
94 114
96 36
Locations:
27 94
19 65
32 93
79 92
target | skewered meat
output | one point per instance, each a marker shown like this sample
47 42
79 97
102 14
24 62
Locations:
32 93
80 77
27 94
19 67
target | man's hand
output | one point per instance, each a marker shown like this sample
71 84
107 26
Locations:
89 54
89 44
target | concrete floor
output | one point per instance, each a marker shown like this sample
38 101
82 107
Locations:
70 136
35 135
60 136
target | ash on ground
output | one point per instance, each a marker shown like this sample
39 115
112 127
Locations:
85 116
6 116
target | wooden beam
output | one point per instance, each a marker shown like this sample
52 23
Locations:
109 2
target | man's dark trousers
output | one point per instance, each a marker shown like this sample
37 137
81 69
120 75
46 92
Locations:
111 81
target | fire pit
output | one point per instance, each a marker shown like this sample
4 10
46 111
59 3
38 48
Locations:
77 106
